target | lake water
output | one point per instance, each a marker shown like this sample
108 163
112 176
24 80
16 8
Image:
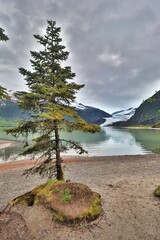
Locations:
109 142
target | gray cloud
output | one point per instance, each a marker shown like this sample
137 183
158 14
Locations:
114 46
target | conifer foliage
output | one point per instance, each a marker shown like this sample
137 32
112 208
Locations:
3 36
48 101
3 91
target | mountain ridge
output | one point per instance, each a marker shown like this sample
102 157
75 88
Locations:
9 110
148 113
91 115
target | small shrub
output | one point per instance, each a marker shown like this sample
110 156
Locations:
157 191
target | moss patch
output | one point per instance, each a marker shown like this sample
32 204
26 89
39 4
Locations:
66 195
58 216
157 192
95 208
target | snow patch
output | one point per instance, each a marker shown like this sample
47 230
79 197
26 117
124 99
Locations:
122 115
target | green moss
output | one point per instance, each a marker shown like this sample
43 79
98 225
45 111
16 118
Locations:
59 217
31 197
38 189
157 192
46 188
66 195
82 186
26 199
94 210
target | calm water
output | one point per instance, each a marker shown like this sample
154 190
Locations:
109 142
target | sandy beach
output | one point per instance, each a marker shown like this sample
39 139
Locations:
126 185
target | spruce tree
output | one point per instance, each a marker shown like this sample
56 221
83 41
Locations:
49 105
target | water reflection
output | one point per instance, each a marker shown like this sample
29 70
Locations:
10 153
119 141
148 138
109 142
86 138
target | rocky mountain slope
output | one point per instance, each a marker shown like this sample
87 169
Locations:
10 110
91 114
148 113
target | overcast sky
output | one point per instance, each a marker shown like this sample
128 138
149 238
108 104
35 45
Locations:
114 46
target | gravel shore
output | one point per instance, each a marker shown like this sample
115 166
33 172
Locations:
126 185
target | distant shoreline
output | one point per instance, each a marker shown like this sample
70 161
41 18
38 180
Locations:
142 127
6 143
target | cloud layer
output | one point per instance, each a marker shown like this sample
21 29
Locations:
114 46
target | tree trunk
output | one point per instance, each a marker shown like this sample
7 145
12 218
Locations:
58 158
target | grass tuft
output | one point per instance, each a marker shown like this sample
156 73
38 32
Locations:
66 195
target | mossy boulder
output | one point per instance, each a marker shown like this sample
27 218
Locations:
157 192
69 202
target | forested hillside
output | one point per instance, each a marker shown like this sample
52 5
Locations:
148 113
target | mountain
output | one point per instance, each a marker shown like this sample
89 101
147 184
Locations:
126 114
119 116
9 110
91 114
148 113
